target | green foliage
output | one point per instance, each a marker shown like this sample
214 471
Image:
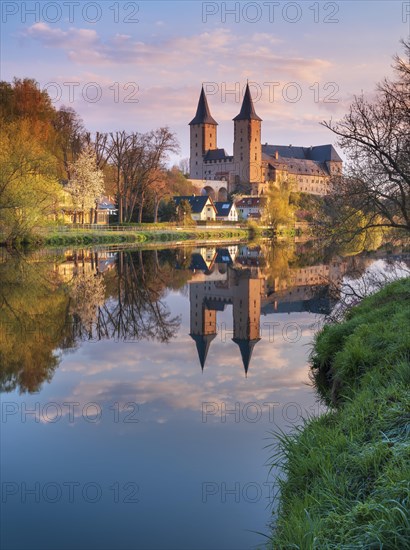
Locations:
29 190
178 184
184 213
168 210
279 209
307 207
254 229
347 473
32 322
160 233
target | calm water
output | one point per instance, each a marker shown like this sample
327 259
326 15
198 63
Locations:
139 390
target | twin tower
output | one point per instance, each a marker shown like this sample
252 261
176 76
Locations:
241 171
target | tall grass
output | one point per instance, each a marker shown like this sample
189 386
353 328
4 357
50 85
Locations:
347 473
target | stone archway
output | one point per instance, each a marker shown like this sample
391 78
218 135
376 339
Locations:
208 190
222 194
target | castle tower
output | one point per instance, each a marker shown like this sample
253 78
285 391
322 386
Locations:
246 316
203 321
202 136
247 146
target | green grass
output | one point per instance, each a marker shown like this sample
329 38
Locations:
347 473
85 236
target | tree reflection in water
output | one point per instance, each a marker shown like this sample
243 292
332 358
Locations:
134 310
49 303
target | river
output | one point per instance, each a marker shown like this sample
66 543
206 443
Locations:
141 390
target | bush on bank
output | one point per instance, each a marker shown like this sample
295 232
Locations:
347 473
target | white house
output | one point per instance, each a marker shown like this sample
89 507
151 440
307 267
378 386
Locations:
251 207
226 212
202 207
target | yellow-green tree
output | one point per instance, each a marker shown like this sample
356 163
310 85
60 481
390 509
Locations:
34 321
279 210
29 190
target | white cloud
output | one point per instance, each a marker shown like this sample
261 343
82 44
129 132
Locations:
221 49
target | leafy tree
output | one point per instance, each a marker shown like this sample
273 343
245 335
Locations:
23 99
184 213
33 321
29 190
168 210
169 183
86 185
279 209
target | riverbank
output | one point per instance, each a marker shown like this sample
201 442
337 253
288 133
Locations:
347 473
168 235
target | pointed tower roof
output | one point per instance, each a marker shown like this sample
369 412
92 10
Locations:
247 110
203 114
246 348
202 341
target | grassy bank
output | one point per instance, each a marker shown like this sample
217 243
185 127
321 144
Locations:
347 473
112 237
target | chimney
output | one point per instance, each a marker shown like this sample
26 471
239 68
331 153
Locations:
276 154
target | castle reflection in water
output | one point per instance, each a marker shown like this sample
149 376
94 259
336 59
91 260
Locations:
239 276
255 281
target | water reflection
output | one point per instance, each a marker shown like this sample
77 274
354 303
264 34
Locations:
51 302
119 331
247 279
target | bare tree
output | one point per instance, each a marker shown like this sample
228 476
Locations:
102 150
157 145
101 146
375 134
70 136
118 146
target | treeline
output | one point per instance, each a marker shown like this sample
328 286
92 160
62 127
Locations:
49 162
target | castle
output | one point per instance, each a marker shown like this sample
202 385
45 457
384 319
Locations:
253 165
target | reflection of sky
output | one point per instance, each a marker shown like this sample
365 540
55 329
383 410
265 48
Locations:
170 453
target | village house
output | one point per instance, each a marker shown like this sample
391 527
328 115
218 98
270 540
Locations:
251 207
202 207
226 212
105 208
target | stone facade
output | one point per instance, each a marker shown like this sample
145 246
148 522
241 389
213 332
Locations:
253 166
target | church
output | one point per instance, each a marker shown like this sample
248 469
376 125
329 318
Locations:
253 164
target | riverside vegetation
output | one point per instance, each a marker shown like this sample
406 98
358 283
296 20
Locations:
347 473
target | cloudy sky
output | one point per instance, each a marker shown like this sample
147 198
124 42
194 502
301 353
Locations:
140 65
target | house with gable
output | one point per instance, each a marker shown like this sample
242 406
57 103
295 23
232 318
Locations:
202 206
226 212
